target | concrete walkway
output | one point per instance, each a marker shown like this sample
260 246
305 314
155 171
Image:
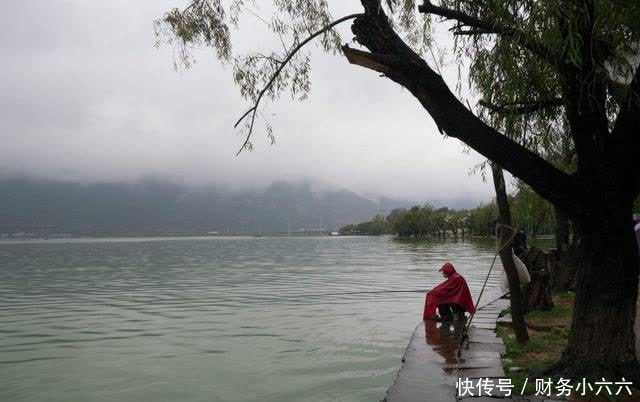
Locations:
431 366
482 340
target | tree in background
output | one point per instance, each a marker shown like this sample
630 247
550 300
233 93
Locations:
506 234
481 220
530 212
571 61
376 227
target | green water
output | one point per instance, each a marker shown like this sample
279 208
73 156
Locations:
228 319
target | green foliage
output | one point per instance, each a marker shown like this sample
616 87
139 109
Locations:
481 219
418 221
201 23
376 227
259 73
531 212
559 311
521 69
271 73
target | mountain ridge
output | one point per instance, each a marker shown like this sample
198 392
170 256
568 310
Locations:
155 206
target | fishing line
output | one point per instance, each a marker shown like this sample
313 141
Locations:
465 329
353 293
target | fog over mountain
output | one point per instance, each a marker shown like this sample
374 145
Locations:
161 207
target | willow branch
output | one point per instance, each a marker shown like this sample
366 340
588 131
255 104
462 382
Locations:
522 107
472 31
487 26
252 111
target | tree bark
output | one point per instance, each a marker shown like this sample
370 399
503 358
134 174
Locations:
537 296
563 266
562 229
602 338
506 256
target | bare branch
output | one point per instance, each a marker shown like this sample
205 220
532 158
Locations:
253 110
486 26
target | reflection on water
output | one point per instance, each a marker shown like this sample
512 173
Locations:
231 319
444 338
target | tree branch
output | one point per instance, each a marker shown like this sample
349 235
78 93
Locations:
486 26
402 65
377 62
584 84
521 107
471 31
254 109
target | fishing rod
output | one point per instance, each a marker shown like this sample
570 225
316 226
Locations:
465 329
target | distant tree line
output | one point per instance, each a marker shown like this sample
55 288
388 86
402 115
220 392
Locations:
529 212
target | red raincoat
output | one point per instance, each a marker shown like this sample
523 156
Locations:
453 290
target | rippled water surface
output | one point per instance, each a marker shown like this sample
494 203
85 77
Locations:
202 319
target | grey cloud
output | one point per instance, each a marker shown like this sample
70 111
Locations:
85 95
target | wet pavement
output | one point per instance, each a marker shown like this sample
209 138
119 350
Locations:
431 366
428 371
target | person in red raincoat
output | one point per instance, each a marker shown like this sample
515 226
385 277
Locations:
450 297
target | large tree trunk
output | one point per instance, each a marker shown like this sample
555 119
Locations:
602 338
606 295
564 260
506 256
563 266
562 229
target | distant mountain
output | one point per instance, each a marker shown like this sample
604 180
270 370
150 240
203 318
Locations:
160 207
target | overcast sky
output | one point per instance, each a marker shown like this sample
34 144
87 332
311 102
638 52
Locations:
85 95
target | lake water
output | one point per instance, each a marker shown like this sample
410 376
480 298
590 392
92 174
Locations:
206 319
